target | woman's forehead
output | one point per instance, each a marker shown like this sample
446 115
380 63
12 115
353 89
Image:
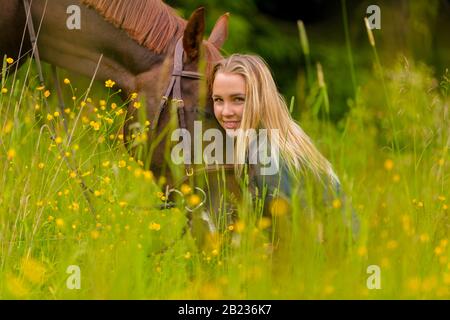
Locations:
225 82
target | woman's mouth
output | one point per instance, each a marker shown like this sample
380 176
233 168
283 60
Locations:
231 124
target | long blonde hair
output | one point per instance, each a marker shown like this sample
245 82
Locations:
266 108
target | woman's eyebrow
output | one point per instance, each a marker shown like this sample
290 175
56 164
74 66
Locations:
233 95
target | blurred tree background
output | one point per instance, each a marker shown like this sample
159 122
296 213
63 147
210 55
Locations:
416 31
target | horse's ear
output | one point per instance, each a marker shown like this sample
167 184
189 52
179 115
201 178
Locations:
193 35
220 32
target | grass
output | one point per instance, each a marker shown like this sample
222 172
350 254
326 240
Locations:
391 152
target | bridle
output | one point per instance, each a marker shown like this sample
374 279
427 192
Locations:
174 89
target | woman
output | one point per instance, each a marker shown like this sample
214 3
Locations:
245 97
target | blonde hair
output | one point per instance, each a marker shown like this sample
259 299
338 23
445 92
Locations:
266 108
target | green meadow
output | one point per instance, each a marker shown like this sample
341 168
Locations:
71 195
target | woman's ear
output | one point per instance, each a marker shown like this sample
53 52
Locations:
219 33
193 34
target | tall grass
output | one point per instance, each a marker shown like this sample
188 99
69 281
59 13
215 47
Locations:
130 249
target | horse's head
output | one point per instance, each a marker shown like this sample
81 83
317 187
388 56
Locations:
180 73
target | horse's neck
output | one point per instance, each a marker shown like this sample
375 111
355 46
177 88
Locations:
80 50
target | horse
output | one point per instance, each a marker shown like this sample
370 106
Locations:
139 42
136 38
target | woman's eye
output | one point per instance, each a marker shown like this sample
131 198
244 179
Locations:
217 100
239 99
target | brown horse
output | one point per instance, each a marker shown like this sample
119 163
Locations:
136 38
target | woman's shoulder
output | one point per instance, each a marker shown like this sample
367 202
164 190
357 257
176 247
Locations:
279 180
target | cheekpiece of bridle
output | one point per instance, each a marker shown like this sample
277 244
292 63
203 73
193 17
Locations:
174 90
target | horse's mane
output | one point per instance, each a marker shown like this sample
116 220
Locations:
151 23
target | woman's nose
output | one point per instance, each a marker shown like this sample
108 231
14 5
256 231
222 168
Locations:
227 109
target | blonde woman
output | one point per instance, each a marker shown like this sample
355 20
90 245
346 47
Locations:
246 97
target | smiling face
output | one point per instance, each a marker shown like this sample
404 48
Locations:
229 99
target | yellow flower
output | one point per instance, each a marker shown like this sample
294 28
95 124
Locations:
58 140
33 270
50 117
187 255
87 173
66 81
4 90
185 189
109 84
389 164
122 164
11 154
239 226
47 93
264 223
137 105
414 284
194 200
424 238
279 207
154 226
123 204
9 60
438 251
362 251
16 286
138 172
41 165
134 96
95 234
148 175
95 125
60 222
446 278
336 203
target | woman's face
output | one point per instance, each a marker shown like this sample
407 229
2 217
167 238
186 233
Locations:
229 99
